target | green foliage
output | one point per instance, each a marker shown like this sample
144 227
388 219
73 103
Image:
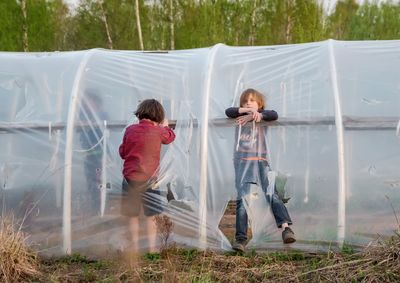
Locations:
152 256
287 256
89 274
373 21
339 23
101 264
252 253
88 31
88 270
314 263
74 258
45 24
184 24
10 26
190 254
347 249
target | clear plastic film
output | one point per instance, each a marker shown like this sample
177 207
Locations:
330 158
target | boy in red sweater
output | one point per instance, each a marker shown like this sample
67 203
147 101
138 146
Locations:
140 150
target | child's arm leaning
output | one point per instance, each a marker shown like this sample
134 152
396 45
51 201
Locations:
243 115
269 115
167 134
232 112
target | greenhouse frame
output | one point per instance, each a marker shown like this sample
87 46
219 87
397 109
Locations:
336 143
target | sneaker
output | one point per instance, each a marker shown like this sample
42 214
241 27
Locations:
288 236
239 246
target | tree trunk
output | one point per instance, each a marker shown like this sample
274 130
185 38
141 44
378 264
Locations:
289 23
163 38
24 26
139 28
104 18
171 21
252 34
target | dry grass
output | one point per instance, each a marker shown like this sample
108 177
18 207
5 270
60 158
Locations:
164 230
17 261
379 262
183 265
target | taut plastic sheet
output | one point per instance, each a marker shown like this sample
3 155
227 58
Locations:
335 148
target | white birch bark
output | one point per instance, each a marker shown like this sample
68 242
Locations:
172 28
139 28
24 26
252 35
104 19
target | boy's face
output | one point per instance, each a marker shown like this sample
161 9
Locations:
251 102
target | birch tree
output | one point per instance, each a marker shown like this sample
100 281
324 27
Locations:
252 33
139 27
375 21
307 22
339 21
171 24
104 18
22 4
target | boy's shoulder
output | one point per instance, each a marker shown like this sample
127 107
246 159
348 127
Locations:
133 128
146 127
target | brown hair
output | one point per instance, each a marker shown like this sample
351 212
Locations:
258 96
150 109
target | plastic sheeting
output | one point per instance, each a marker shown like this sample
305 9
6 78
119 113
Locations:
63 114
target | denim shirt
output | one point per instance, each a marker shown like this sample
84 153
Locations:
250 154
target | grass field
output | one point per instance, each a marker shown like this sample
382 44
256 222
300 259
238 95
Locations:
378 262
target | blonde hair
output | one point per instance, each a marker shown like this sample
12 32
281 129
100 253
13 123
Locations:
258 97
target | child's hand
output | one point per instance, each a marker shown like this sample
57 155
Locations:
253 115
242 120
165 123
256 115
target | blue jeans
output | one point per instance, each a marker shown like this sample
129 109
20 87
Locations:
255 172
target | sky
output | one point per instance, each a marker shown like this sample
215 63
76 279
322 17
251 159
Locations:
329 4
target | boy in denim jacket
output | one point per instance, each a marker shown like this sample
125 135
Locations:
251 164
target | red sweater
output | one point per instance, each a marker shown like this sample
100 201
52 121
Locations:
140 149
